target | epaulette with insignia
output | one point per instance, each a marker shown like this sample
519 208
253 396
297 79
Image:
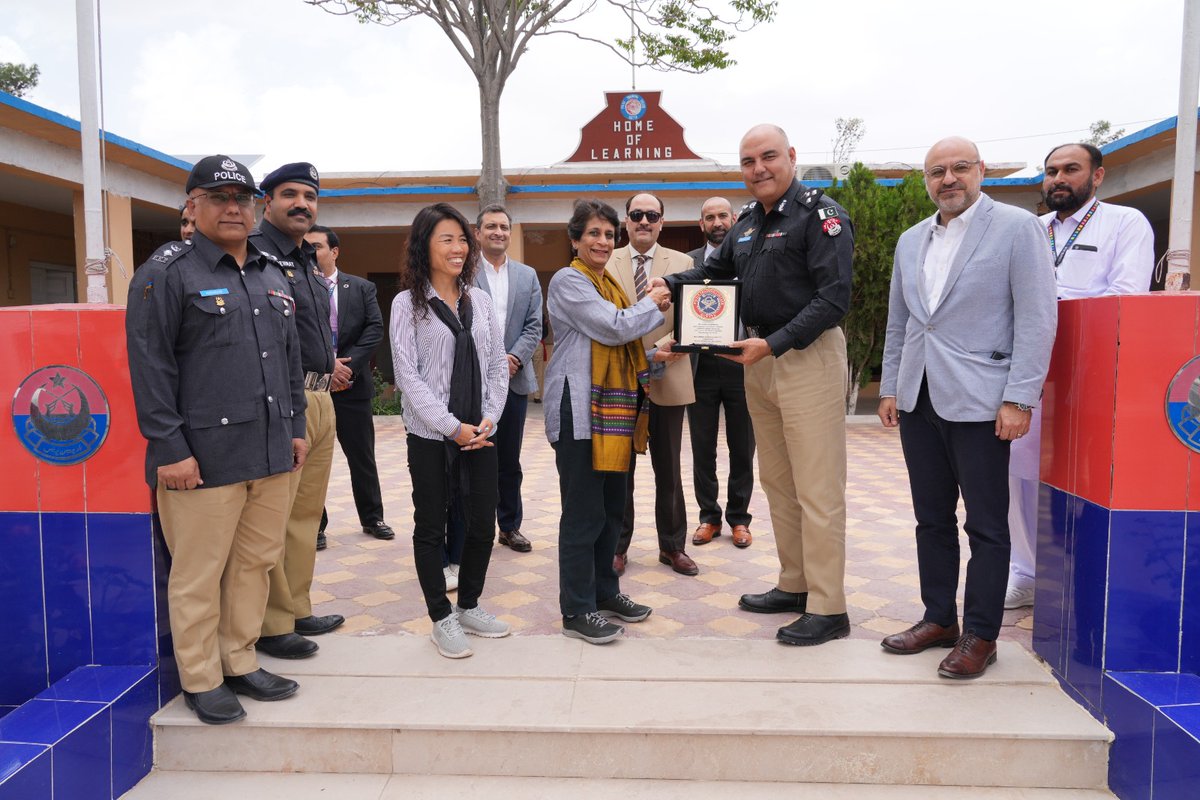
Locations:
809 197
747 207
169 252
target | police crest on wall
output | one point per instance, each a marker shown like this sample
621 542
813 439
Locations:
60 415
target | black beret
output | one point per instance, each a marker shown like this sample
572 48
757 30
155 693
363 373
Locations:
299 172
219 171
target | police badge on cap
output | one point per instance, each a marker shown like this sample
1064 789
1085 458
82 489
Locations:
219 171
299 172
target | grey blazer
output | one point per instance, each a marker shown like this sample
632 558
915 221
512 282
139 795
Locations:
523 323
989 339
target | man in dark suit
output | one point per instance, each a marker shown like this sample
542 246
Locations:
359 330
720 382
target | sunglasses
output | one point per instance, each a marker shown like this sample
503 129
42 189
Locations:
650 216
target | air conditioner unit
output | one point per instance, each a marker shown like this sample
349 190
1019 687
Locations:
823 172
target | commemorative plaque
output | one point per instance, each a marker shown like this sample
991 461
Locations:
707 316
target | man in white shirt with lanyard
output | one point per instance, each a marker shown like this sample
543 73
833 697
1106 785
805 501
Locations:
1099 249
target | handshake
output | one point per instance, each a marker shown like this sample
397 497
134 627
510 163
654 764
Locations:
659 293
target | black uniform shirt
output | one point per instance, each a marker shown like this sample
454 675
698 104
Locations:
299 266
794 262
215 362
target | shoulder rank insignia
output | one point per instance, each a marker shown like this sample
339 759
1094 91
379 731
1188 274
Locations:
810 197
170 252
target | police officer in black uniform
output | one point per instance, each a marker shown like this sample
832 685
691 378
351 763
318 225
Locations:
791 247
291 210
215 364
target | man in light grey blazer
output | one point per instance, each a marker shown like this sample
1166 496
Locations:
517 297
971 321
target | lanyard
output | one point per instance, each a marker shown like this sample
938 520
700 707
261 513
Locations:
1058 257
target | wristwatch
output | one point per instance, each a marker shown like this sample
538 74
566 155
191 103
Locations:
1020 406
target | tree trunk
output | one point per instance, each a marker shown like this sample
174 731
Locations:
852 391
492 186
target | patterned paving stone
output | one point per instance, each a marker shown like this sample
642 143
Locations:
373 583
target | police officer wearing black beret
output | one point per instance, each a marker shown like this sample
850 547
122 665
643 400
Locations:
214 358
291 210
791 247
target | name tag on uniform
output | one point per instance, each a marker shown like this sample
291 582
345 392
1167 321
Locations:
213 292
745 238
1089 247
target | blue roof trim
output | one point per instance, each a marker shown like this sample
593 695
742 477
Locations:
389 191
645 186
73 124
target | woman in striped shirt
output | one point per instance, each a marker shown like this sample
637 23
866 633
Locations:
451 369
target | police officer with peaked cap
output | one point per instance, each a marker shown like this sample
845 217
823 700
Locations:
290 212
214 358
791 247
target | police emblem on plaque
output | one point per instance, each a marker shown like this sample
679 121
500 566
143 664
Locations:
708 304
633 107
61 415
1183 404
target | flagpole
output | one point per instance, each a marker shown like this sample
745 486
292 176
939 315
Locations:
1180 239
95 262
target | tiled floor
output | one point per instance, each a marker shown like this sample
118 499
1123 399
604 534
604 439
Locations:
374 583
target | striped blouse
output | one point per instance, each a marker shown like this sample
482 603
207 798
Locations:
423 355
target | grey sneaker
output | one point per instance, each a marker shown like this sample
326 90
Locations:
592 627
623 608
478 622
449 637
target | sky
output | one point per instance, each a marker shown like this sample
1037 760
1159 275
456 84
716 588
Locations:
290 82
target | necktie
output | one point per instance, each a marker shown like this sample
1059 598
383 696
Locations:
331 284
639 276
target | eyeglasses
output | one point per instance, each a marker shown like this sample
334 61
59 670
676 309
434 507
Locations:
651 216
243 199
959 169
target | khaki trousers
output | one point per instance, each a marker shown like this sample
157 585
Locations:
222 542
797 405
291 578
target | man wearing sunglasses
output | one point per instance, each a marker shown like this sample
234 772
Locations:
670 390
214 358
971 321
290 212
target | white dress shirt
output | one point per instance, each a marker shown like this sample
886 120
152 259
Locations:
497 279
944 242
1114 253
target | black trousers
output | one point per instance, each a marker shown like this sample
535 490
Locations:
592 506
721 382
427 466
670 513
510 432
944 458
356 434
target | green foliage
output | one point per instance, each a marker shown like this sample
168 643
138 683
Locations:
382 406
879 214
1102 133
17 79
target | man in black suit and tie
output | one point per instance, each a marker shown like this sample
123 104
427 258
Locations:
358 331
720 382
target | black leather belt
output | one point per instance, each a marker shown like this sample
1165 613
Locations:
317 382
761 331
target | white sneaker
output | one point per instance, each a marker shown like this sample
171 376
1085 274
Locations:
454 569
449 637
478 622
451 574
1018 597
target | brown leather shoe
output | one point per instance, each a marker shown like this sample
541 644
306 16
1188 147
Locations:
679 561
705 533
620 560
921 637
970 658
741 535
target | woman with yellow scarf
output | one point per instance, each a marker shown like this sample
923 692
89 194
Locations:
593 421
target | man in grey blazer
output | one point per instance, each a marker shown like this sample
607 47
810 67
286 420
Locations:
517 297
971 321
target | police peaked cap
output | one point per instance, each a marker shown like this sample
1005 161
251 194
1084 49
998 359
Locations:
214 171
299 172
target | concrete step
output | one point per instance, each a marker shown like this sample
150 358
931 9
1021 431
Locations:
207 785
683 710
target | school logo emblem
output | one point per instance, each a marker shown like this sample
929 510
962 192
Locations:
1183 404
61 415
708 304
633 106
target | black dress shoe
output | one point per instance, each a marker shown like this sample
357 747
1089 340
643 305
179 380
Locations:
380 530
262 685
315 626
815 629
321 542
775 601
217 706
515 541
286 645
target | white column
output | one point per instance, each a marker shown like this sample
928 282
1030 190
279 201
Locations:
1182 189
89 137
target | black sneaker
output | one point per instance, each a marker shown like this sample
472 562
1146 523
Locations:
592 627
623 608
